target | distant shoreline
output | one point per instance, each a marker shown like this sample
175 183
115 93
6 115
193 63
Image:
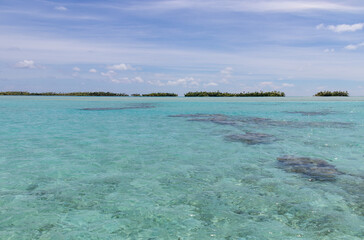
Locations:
158 94
161 94
332 94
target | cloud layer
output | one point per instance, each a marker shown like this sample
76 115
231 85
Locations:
179 45
342 27
121 67
26 64
354 46
246 6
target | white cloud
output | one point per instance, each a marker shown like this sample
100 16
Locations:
329 50
272 61
346 28
50 15
297 6
92 70
274 86
210 84
266 84
183 81
227 71
320 26
287 85
157 83
61 8
354 46
342 27
321 88
112 75
120 80
224 80
76 69
120 67
245 6
226 74
351 47
138 79
109 74
26 64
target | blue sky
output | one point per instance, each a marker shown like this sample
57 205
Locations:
299 47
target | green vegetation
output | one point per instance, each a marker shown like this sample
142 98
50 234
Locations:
14 93
160 95
243 94
65 94
332 94
19 93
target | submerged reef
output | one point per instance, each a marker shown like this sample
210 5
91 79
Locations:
315 169
307 113
197 115
261 122
251 138
131 106
214 118
222 120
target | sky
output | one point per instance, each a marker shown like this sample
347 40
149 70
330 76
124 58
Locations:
142 46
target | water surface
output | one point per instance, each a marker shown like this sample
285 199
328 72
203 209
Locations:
179 168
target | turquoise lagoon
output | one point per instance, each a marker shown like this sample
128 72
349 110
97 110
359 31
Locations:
158 168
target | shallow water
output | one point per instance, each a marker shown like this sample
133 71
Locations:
129 168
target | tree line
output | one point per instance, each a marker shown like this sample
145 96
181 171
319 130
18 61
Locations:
189 94
20 93
332 94
242 94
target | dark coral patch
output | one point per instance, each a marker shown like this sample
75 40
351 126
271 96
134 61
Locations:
131 106
198 115
260 122
315 169
221 120
251 138
313 113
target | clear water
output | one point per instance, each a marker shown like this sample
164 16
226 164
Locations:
135 172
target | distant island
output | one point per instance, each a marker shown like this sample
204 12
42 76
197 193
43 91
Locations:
243 94
99 94
158 94
18 93
332 94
